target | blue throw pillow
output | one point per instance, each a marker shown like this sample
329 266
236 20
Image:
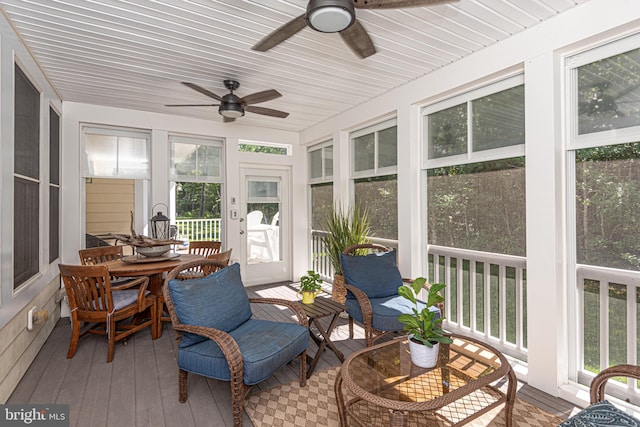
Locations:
601 414
375 274
218 301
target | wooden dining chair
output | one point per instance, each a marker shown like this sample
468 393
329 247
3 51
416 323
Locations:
101 255
93 301
223 258
205 248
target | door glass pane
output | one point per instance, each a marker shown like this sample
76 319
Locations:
263 221
262 189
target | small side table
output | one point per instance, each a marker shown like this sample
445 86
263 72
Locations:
322 307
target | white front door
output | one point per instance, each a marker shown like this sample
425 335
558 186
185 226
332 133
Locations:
264 225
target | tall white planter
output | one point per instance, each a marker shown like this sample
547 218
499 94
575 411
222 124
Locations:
422 355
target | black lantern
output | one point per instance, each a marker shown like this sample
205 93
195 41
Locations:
159 224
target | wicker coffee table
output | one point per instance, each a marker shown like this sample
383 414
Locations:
379 386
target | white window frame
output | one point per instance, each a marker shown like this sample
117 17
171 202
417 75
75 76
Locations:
576 142
470 156
376 171
196 141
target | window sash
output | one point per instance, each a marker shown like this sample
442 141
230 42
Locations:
467 99
202 166
368 159
116 153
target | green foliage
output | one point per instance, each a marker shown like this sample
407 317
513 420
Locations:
423 324
344 228
311 282
198 200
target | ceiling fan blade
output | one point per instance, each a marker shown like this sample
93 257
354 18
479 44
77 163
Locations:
266 111
202 90
191 105
226 119
396 4
258 97
281 34
358 40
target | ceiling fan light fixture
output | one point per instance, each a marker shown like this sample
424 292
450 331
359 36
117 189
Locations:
330 16
232 111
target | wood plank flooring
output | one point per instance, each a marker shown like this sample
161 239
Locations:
140 387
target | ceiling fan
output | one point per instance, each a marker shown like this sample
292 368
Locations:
231 106
338 16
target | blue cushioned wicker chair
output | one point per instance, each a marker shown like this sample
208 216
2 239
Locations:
221 340
601 413
372 280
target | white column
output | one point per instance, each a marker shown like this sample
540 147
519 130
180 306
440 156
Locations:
410 231
546 258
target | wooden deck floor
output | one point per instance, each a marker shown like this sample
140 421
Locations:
140 387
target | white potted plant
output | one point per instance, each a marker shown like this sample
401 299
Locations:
424 326
310 286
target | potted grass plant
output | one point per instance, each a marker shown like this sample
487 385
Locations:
425 325
310 286
343 228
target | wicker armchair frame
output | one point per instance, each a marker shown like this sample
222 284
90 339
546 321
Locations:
371 335
599 383
227 344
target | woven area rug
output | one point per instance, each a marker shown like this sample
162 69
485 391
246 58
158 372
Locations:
290 405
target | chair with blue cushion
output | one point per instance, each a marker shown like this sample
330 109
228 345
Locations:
601 413
105 310
372 280
221 339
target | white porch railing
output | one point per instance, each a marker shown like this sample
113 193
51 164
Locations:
485 296
198 229
608 316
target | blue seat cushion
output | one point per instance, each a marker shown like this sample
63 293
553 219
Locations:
601 414
375 274
265 345
385 311
123 298
218 301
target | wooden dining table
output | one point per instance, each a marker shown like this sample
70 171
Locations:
153 269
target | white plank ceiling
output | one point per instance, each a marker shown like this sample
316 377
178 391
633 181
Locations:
134 53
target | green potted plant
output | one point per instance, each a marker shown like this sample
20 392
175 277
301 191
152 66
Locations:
343 228
424 326
310 286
